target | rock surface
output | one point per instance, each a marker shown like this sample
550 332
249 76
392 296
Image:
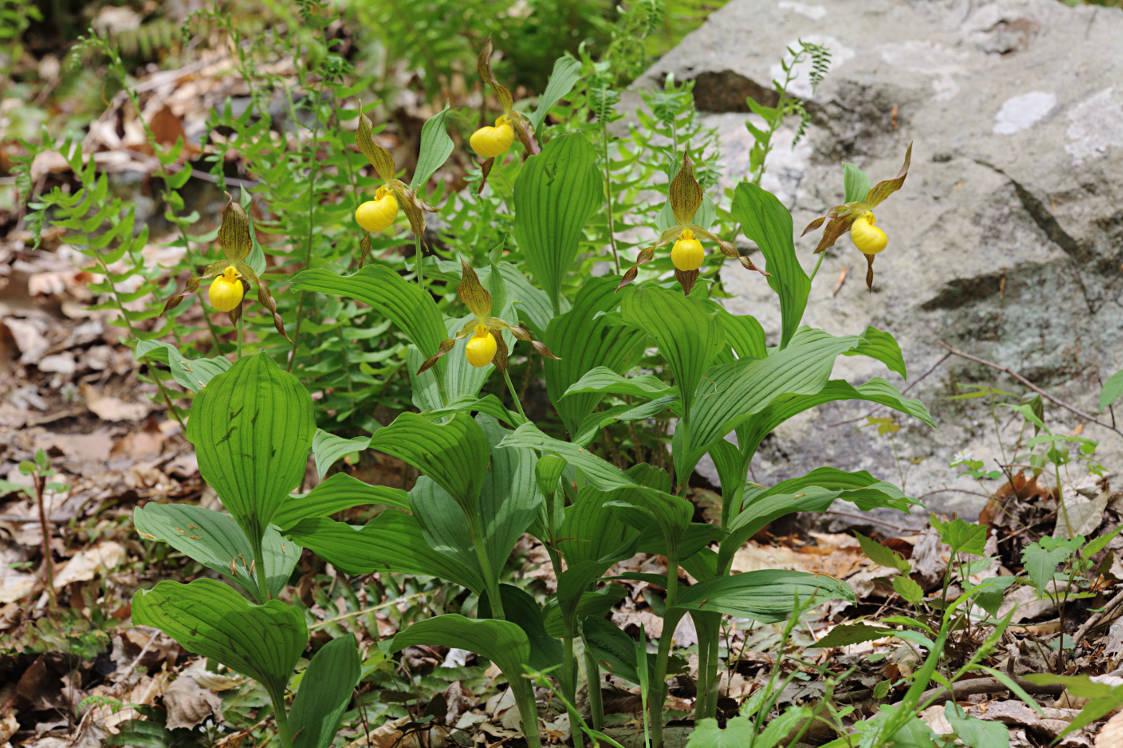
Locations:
1006 240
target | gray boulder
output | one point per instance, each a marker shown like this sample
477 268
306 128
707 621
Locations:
1005 242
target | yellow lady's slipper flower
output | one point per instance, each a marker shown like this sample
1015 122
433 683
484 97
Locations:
490 142
226 290
869 239
687 253
481 347
684 193
486 344
232 276
857 218
379 213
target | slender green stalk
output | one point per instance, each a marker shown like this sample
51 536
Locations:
817 265
241 331
259 568
569 685
514 395
662 655
282 718
608 193
490 582
308 241
592 680
418 260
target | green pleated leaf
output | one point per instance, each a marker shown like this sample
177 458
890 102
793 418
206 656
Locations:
532 303
210 619
556 193
880 345
855 182
411 309
325 690
190 373
252 428
335 494
391 541
766 596
566 73
602 474
766 221
730 393
606 381
1112 390
753 429
744 334
215 540
686 330
523 610
585 338
327 449
592 424
502 642
436 147
454 454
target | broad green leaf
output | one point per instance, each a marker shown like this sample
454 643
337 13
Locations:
975 732
411 309
765 596
1112 390
325 691
327 449
556 193
962 536
190 373
436 147
614 650
591 532
210 619
502 642
855 182
604 380
730 393
566 73
339 492
738 732
1041 560
880 345
522 609
392 540
877 390
592 424
913 593
686 330
852 633
585 338
533 304
252 428
744 334
454 454
881 554
215 540
767 222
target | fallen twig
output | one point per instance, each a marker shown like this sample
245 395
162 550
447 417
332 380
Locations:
1098 617
1018 377
972 686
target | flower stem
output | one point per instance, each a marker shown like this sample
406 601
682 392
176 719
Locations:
514 395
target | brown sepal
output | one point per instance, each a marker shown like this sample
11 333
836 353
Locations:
364 244
645 255
887 187
501 352
833 232
411 206
472 292
525 135
263 296
686 279
445 347
378 156
483 67
869 273
814 225
485 169
234 233
685 193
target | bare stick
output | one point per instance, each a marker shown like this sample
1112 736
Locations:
1097 618
1018 377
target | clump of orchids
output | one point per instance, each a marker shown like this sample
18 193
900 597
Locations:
379 214
857 217
490 142
231 276
687 253
486 344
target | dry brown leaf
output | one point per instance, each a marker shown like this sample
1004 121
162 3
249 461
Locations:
188 704
111 408
86 564
1111 734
